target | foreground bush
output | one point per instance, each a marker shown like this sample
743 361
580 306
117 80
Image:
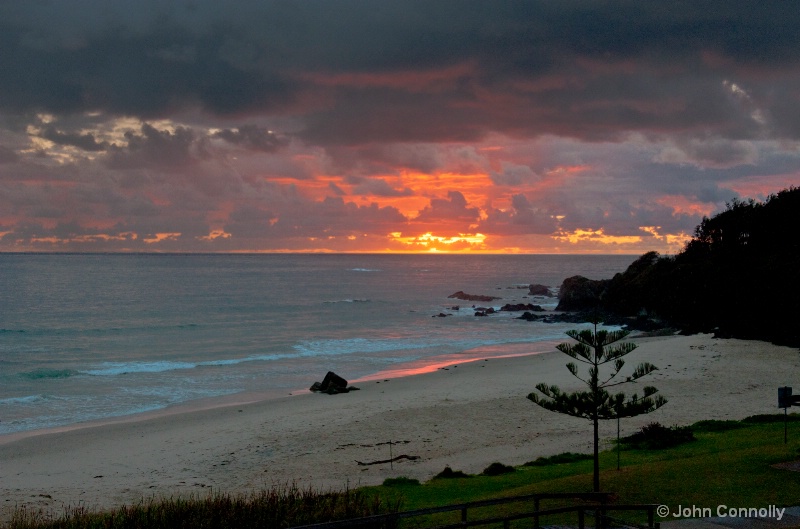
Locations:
496 469
564 457
276 508
654 436
449 473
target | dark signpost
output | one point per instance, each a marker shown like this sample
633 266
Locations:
785 400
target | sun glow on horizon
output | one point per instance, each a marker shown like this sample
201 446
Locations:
435 243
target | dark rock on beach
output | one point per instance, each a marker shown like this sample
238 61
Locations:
332 384
471 297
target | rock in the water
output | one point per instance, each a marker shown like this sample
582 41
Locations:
516 307
580 293
539 290
471 297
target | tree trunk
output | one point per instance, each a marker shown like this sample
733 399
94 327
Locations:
596 456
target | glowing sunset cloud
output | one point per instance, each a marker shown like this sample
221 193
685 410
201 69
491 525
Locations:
433 243
426 132
763 187
685 206
215 234
158 237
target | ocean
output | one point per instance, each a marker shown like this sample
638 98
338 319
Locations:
102 336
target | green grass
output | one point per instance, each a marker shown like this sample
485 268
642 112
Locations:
729 463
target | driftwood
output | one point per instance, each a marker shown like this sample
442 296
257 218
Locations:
410 458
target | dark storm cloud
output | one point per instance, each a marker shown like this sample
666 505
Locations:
513 175
453 208
253 137
522 218
333 217
361 71
151 147
86 141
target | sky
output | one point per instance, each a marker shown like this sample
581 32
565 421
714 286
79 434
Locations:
390 126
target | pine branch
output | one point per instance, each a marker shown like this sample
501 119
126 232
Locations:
577 351
645 368
618 351
612 336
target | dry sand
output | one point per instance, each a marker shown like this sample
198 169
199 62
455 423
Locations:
465 416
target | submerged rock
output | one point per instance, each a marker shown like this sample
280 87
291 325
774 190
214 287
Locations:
521 306
471 297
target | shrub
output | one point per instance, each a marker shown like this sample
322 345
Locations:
496 469
449 473
565 457
400 482
654 436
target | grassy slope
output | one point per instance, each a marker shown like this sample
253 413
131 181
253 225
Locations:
731 468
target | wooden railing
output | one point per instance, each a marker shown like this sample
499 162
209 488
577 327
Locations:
598 510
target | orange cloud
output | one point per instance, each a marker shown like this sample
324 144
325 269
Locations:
762 186
215 234
682 205
159 237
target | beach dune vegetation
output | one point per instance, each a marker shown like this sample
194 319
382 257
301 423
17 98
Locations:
276 508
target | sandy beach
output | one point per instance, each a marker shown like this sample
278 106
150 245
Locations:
465 415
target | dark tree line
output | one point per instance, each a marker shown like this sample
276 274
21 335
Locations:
739 275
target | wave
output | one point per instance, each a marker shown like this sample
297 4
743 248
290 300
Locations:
126 368
27 399
337 347
37 374
348 301
365 270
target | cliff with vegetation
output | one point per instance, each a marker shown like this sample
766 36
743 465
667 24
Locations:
739 276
